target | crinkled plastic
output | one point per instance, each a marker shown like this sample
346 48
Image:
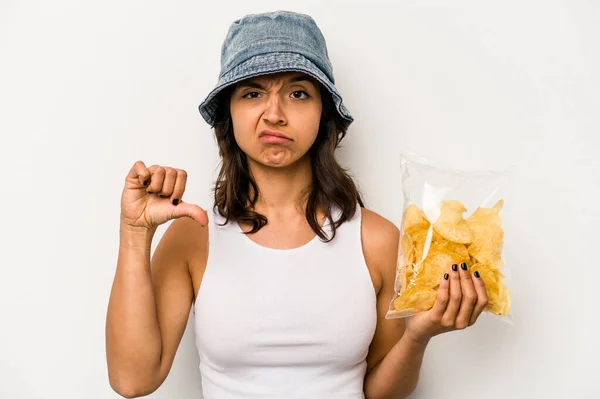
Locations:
450 216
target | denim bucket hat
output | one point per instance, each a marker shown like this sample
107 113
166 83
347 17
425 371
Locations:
271 42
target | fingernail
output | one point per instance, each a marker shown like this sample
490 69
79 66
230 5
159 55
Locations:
476 274
145 182
455 267
175 201
446 276
463 266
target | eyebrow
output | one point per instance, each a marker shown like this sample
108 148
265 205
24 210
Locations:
254 85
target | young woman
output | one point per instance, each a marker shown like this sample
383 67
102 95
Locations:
289 276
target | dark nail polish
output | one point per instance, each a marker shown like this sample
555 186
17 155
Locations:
455 267
476 274
463 266
145 183
175 201
446 276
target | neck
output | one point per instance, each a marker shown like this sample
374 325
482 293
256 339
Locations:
282 189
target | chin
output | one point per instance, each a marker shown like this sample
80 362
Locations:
276 163
278 159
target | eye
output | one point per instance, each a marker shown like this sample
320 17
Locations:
299 93
252 94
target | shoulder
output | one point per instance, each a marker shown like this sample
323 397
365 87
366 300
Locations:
378 233
380 240
187 231
188 238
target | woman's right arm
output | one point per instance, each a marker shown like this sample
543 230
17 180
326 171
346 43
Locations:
148 309
150 299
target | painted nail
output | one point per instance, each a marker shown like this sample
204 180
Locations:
455 267
175 201
476 274
446 276
463 266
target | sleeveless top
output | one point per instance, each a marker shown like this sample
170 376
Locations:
284 323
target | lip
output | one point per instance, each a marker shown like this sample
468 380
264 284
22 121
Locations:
273 137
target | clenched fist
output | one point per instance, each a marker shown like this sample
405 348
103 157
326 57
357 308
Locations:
152 196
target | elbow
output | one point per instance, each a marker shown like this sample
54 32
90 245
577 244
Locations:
126 391
129 387
401 392
404 392
401 395
130 391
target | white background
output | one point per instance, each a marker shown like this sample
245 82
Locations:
88 88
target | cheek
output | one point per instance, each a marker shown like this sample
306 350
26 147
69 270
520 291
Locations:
310 127
244 127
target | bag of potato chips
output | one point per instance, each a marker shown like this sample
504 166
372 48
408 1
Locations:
449 217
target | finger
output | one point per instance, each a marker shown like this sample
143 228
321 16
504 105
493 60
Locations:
157 177
449 318
179 188
190 210
169 182
140 173
441 303
469 298
482 297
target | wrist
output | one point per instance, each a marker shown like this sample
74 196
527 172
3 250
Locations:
418 339
135 237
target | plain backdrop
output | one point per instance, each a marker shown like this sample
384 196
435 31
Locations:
88 88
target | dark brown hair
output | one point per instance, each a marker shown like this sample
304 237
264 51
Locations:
236 192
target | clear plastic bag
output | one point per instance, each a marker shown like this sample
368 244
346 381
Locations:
449 216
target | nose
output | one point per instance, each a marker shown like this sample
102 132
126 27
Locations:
274 112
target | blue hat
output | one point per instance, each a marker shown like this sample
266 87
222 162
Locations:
259 44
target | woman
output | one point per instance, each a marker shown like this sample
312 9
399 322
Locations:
290 277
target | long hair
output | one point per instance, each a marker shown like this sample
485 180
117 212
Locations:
236 192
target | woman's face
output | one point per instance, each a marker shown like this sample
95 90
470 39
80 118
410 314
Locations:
276 117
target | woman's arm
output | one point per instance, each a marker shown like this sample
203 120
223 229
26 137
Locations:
397 375
394 360
148 309
397 351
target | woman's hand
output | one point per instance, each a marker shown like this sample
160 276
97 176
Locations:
461 299
152 196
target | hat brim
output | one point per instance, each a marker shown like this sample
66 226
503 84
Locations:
265 64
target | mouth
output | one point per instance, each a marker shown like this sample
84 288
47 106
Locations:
273 133
273 137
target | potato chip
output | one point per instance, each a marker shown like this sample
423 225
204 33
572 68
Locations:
416 228
418 234
406 259
412 216
459 250
491 258
416 300
498 295
487 216
488 236
451 225
407 247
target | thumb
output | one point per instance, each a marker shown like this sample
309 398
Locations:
183 209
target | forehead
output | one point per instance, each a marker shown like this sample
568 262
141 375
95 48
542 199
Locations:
281 78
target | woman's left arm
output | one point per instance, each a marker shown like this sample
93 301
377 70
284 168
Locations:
396 352
394 360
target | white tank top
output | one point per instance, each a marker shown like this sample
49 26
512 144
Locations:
284 323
